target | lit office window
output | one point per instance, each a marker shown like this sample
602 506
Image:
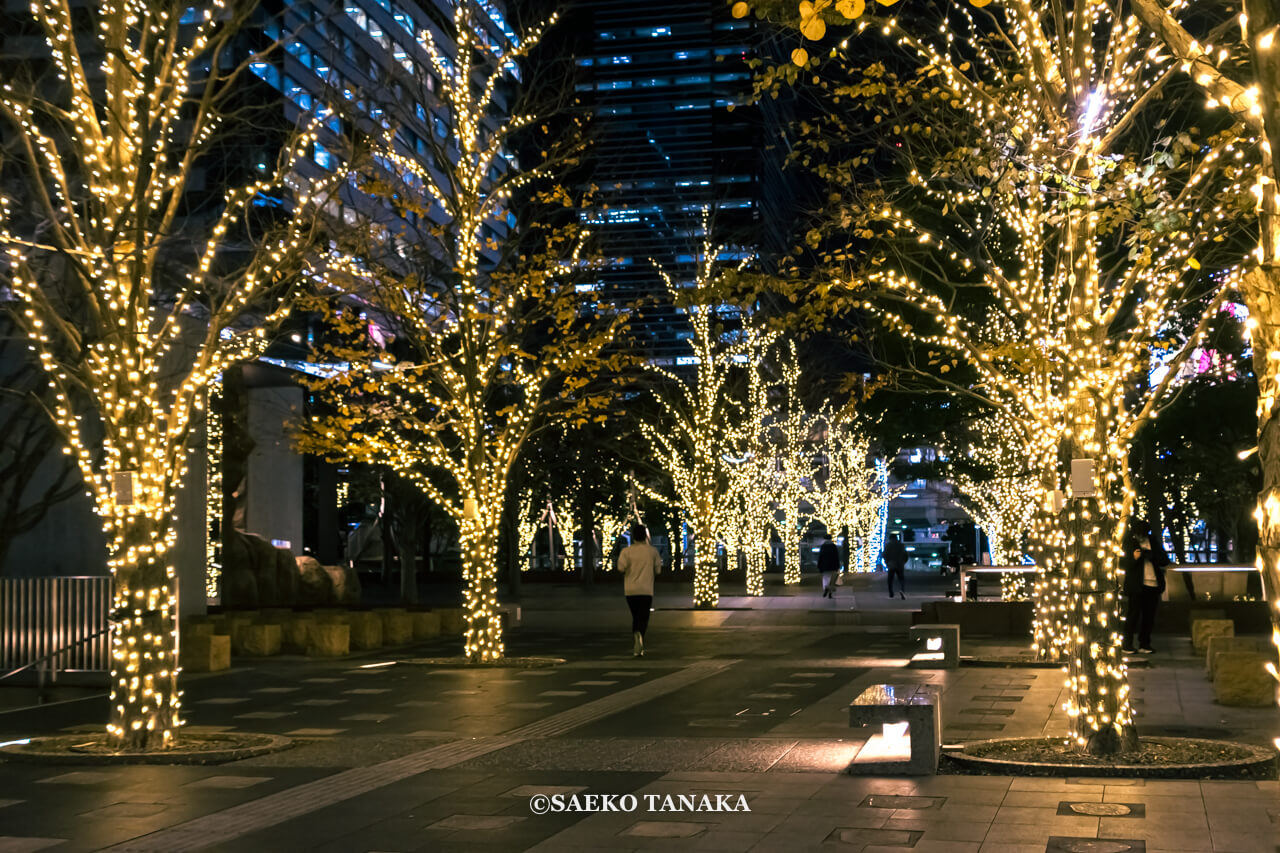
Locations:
267 72
323 158
300 52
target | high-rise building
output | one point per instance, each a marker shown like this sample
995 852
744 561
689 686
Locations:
667 85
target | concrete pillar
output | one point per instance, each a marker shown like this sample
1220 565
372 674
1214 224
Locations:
273 493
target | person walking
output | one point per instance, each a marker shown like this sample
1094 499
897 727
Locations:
829 565
895 560
1144 562
639 562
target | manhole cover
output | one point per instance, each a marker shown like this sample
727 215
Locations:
1101 809
1093 845
893 801
664 829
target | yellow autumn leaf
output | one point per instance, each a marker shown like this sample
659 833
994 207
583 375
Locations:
851 8
1193 263
886 2
740 9
813 29
979 3
800 56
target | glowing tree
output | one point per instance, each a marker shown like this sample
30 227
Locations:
1258 107
790 449
750 477
486 338
850 492
1002 496
701 414
132 301
1028 151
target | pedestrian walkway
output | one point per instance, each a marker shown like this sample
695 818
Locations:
729 735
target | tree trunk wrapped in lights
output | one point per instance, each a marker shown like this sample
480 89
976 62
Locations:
1045 187
469 337
134 303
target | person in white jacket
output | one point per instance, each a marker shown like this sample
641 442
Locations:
639 562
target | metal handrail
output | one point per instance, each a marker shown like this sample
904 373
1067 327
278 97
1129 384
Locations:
53 654
112 618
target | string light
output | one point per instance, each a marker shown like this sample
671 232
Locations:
128 357
701 420
1035 213
463 408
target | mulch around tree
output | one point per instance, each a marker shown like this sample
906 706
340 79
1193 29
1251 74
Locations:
1155 758
191 748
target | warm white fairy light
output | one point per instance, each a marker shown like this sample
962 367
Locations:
701 419
213 491
466 405
1005 500
851 492
1035 231
1259 286
129 361
791 455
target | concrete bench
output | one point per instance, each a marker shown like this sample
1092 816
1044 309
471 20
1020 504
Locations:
937 646
206 652
397 625
1203 629
1241 679
1217 645
909 742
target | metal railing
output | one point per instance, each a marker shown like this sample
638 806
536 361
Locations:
61 620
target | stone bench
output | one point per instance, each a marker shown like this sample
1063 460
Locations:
452 620
260 640
366 630
329 640
397 625
937 646
910 739
295 633
1241 679
1203 629
426 624
1217 645
206 652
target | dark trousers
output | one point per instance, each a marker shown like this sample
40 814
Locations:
901 573
1142 616
639 605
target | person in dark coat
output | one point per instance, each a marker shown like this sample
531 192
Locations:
1143 563
829 565
895 560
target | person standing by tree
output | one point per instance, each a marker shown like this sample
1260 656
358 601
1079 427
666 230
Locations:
1145 560
639 562
829 565
895 560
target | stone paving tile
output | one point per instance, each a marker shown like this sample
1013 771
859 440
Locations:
14 844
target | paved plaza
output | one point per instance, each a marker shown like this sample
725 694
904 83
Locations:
746 705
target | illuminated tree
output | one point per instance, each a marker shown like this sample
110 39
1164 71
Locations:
133 300
702 414
1001 493
789 446
1258 107
849 492
484 339
1051 189
750 474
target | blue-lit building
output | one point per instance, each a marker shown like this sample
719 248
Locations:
666 84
